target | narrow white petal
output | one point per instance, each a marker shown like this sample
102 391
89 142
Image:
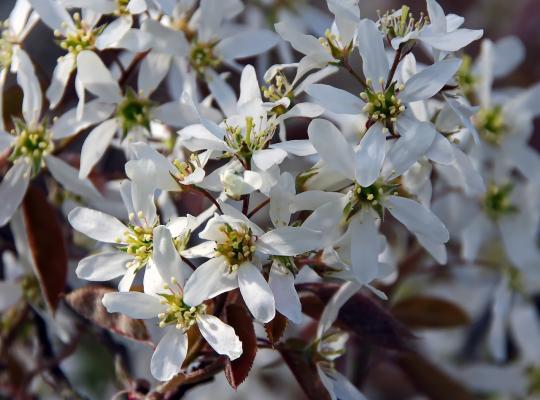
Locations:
60 79
167 259
69 124
430 81
285 295
95 145
209 280
169 355
68 177
97 225
365 247
256 292
133 304
96 78
246 44
331 311
417 218
332 147
220 336
336 100
222 92
477 232
289 241
370 155
104 266
371 46
12 190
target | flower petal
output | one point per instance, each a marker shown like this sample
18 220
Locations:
370 155
96 78
97 225
220 336
167 259
169 355
12 190
133 304
103 267
285 295
335 100
95 145
371 46
289 241
256 292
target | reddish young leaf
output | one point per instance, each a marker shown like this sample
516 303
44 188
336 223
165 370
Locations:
237 371
47 245
429 312
360 315
86 301
430 380
304 370
276 328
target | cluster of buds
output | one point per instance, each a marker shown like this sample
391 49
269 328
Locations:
277 91
237 247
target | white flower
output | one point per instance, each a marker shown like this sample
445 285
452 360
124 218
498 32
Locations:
370 172
176 314
237 249
134 242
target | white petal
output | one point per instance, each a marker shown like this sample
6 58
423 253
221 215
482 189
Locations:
222 92
365 246
95 145
153 283
167 259
332 147
6 141
96 78
410 147
336 100
97 225
510 52
305 110
133 304
266 158
114 32
60 79
164 39
477 232
519 243
127 280
68 124
153 69
285 295
289 241
220 336
208 280
256 292
246 44
53 14
429 81
12 190
452 41
417 218
299 147
249 86
29 83
103 267
197 137
370 156
331 311
68 177
371 46
440 150
169 355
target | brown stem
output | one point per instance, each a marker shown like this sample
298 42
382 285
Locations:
392 72
258 208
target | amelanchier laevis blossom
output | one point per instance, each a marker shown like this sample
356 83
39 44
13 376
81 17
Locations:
237 250
176 314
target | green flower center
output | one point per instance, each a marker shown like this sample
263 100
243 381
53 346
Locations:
238 246
497 201
202 56
465 77
383 106
394 26
82 38
134 111
490 123
179 313
371 196
32 144
122 8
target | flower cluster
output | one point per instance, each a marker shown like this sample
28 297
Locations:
238 186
